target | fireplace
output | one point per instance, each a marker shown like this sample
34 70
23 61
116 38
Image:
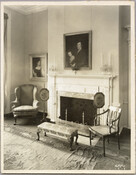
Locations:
77 110
79 89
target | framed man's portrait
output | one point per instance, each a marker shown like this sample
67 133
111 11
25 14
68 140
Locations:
78 50
38 67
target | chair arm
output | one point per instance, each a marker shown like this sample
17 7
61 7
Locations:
96 115
14 104
35 103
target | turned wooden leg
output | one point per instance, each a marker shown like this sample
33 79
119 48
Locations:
118 142
38 134
45 134
76 139
15 121
104 146
90 137
71 142
108 140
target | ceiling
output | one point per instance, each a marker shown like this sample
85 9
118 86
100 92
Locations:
28 9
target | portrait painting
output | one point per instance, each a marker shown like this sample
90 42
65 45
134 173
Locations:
38 66
78 50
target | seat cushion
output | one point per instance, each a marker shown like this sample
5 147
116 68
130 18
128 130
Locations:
57 129
101 130
24 108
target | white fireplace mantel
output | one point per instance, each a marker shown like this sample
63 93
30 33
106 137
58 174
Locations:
79 84
76 75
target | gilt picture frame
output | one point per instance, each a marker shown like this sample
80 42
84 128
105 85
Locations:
78 50
38 67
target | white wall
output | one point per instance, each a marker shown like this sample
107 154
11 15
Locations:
17 49
29 34
36 42
104 23
16 54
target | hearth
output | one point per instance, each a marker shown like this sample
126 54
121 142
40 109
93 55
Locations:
77 110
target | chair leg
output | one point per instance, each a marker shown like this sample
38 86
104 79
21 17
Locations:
90 137
118 142
15 121
45 134
104 146
76 139
71 142
38 134
108 139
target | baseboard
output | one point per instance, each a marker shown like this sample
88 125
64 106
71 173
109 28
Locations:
8 115
126 131
41 113
121 130
38 114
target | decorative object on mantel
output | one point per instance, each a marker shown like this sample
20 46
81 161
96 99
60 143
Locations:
52 69
78 50
44 96
106 68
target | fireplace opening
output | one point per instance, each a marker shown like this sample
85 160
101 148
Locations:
77 110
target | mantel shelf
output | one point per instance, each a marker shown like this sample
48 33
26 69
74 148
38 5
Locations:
97 76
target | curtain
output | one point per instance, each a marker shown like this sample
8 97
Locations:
5 62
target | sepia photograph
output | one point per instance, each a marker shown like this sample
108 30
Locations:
68 87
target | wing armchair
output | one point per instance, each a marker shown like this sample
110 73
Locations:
25 103
111 127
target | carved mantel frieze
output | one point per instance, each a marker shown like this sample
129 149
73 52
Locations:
97 76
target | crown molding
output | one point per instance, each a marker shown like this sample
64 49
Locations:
28 9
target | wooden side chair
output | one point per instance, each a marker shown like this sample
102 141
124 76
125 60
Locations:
111 127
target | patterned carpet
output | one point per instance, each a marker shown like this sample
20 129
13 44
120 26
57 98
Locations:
23 152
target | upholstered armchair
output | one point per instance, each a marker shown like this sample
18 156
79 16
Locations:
25 104
111 127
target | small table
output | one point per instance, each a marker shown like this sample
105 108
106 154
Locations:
60 130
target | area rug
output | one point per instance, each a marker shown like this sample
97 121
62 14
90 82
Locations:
23 152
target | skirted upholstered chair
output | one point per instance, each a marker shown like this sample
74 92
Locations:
111 127
25 104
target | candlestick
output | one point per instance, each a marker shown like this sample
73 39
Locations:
83 116
66 114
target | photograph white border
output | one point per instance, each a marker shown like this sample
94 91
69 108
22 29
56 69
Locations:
86 3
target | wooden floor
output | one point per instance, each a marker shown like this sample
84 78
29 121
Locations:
112 152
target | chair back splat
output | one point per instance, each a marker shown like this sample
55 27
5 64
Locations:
113 118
